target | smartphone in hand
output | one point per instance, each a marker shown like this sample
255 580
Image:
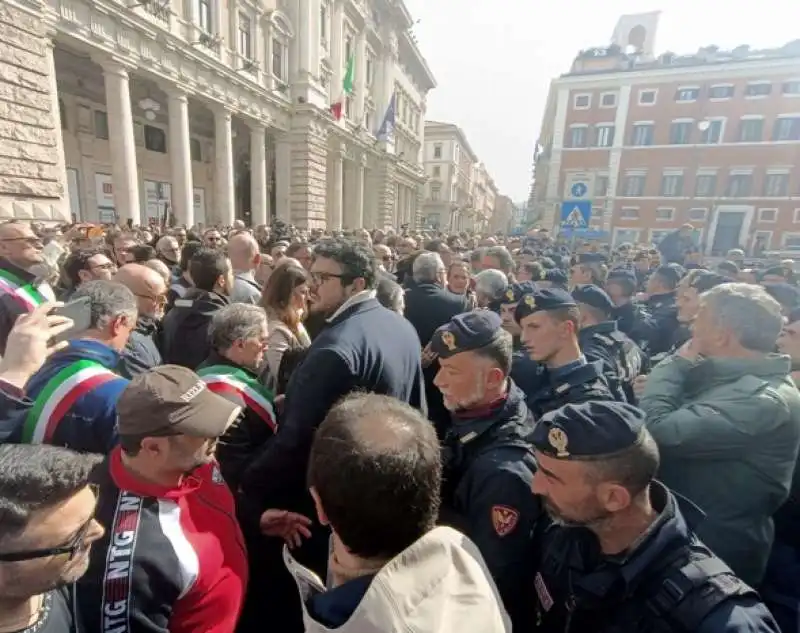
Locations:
80 311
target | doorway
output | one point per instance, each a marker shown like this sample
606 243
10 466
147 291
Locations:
728 229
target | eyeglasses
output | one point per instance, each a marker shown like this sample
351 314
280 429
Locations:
108 266
321 278
159 300
31 239
72 547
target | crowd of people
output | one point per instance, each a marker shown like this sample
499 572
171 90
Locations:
232 430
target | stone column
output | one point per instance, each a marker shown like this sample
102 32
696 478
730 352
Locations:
180 155
337 50
223 169
358 185
124 173
283 174
361 76
258 175
335 214
61 209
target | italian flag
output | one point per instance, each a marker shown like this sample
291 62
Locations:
57 397
25 294
337 109
225 380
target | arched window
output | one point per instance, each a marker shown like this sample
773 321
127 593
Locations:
279 35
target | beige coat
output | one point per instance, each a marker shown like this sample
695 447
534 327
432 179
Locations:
438 585
280 340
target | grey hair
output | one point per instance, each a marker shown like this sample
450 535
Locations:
491 283
235 322
427 267
748 312
108 300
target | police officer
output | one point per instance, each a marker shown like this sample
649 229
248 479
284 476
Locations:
632 317
600 340
524 371
488 463
637 565
589 268
549 321
660 303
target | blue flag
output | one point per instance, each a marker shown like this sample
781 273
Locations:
386 130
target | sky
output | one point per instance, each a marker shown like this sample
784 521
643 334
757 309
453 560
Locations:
493 59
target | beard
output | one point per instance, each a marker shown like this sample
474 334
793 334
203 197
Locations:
558 517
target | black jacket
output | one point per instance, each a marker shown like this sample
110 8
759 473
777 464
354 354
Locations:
366 348
669 581
580 385
488 470
141 352
428 307
620 357
185 328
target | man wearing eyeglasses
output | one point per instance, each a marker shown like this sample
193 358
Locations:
20 291
47 527
141 352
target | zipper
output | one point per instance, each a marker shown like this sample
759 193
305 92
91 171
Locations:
570 604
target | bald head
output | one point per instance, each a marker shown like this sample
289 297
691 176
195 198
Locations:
243 252
147 285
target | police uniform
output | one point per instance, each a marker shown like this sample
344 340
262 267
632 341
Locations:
667 581
524 370
664 311
632 318
488 469
579 381
621 358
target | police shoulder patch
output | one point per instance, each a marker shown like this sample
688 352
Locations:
504 519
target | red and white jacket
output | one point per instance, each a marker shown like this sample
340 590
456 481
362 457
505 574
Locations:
172 560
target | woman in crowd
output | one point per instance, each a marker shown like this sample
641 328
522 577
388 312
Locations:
285 300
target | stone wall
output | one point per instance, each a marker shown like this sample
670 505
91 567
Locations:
31 157
309 166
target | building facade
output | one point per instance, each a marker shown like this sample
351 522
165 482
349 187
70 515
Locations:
654 142
204 111
460 195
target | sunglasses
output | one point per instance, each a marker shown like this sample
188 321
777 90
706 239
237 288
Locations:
74 546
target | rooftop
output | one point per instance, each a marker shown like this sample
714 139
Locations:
612 59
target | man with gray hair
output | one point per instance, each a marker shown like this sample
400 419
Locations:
726 416
490 285
429 305
75 393
238 336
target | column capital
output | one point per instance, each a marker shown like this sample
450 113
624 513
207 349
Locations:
113 65
221 111
175 92
257 128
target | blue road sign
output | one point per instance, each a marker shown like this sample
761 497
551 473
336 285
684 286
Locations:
576 213
579 190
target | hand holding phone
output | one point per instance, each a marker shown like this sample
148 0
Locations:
79 312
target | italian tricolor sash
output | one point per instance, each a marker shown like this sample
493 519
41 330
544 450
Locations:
224 379
24 293
58 395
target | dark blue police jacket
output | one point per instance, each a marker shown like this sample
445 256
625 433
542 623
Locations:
669 582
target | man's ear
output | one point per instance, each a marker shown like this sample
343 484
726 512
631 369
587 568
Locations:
323 518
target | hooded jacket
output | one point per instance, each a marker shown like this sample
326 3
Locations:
439 584
728 430
86 423
185 328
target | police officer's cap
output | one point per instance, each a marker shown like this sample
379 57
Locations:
593 296
785 294
707 280
590 430
465 332
541 300
622 274
556 276
670 272
592 258
516 291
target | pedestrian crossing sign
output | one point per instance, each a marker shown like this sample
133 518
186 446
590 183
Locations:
575 214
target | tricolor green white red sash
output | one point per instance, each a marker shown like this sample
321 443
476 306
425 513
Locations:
58 395
223 379
24 293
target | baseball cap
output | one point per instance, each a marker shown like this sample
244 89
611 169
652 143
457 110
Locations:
173 400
